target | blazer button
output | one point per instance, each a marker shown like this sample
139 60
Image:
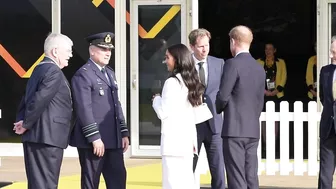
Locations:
112 91
204 98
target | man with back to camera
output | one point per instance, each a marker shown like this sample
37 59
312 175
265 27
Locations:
241 98
210 70
45 113
100 133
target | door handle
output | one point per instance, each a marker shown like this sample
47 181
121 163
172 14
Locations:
134 83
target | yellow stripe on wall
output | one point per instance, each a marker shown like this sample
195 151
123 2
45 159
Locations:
170 14
97 2
30 71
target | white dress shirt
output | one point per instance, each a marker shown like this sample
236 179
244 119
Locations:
334 76
242 52
205 67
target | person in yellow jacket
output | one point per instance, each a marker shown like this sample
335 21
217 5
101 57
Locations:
276 77
311 77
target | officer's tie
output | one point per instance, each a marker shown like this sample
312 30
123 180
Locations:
201 73
106 75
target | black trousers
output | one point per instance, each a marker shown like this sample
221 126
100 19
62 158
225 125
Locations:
327 161
43 164
111 165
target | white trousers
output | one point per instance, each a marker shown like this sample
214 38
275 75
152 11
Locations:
177 172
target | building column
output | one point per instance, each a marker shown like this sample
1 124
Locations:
56 16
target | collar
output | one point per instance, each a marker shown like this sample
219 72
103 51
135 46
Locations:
243 51
198 61
99 67
53 60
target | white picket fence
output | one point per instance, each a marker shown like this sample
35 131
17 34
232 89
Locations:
284 166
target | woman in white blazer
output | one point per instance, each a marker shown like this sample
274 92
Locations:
181 92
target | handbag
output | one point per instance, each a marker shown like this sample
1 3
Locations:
202 113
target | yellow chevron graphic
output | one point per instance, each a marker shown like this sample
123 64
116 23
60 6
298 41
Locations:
166 18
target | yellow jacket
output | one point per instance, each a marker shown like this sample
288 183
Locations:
310 74
281 75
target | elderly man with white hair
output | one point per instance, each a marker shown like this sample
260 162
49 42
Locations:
45 113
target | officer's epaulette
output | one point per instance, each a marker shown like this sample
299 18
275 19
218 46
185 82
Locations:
109 67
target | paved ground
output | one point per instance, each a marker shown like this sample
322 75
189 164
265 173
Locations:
12 170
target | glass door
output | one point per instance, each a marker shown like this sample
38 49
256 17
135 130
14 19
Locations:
326 23
155 25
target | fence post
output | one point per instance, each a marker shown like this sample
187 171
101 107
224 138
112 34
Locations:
270 138
298 138
284 166
312 138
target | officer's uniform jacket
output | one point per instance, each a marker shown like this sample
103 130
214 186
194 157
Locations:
98 110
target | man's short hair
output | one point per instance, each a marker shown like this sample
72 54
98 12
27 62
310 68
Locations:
55 40
241 34
201 32
333 38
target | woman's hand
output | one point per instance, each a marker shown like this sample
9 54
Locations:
157 94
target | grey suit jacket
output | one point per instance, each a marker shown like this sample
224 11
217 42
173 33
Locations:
215 70
241 96
46 108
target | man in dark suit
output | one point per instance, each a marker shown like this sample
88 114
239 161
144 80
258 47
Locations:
241 97
45 114
327 124
210 70
100 133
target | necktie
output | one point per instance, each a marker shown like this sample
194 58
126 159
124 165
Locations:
201 73
105 74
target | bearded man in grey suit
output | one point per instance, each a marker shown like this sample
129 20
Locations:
210 70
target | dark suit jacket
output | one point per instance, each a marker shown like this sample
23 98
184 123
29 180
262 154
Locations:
46 108
98 111
215 70
241 96
326 97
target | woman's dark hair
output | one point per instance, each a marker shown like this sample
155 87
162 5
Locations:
184 64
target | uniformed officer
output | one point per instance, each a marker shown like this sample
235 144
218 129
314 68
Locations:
100 132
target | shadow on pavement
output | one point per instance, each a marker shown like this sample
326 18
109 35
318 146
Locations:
268 187
3 184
